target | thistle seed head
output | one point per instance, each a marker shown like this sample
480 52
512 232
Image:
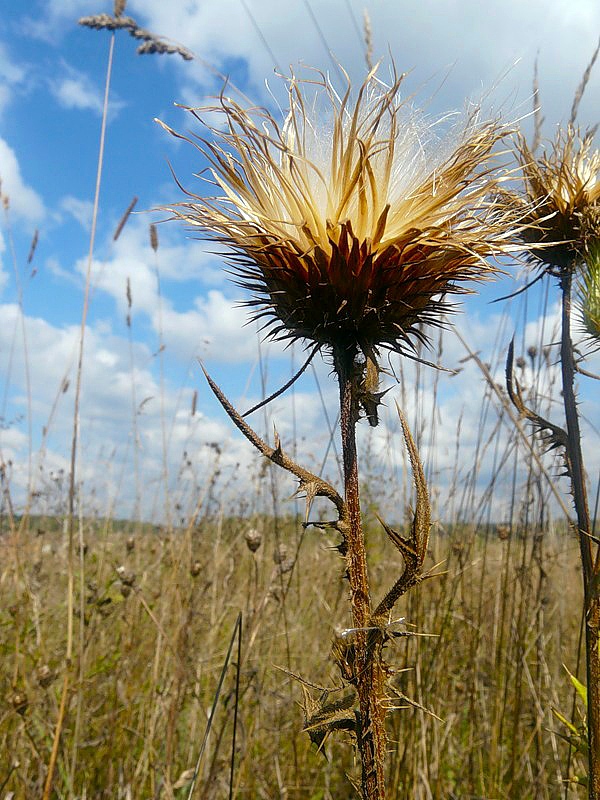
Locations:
350 220
560 199
253 539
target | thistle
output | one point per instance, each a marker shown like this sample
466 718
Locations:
350 223
350 220
562 198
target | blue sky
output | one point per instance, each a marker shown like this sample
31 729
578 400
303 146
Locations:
51 89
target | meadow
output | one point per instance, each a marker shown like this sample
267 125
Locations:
480 656
212 647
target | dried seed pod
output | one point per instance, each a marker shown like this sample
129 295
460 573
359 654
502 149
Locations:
45 676
560 199
127 576
130 544
503 532
19 702
196 569
253 539
124 218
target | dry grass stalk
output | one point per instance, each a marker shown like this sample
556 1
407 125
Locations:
368 34
98 22
582 85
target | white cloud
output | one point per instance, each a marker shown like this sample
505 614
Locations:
454 49
24 201
444 413
12 74
80 210
56 17
211 326
78 93
107 413
75 90
3 272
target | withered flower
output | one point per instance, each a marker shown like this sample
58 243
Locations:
562 194
352 220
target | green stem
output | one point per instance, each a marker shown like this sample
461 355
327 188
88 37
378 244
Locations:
578 486
367 668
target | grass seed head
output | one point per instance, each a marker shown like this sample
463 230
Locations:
350 220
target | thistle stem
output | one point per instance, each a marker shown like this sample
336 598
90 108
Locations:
580 501
367 667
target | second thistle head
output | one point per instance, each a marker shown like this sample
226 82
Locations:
562 198
351 220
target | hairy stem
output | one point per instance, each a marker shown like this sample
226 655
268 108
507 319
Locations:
367 667
578 486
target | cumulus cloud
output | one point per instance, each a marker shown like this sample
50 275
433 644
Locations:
12 75
129 415
124 407
56 17
450 51
25 202
75 90
203 321
78 92
80 210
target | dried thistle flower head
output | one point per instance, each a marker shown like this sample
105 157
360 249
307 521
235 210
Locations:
348 221
253 539
562 195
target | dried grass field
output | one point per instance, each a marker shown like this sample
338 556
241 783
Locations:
479 662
